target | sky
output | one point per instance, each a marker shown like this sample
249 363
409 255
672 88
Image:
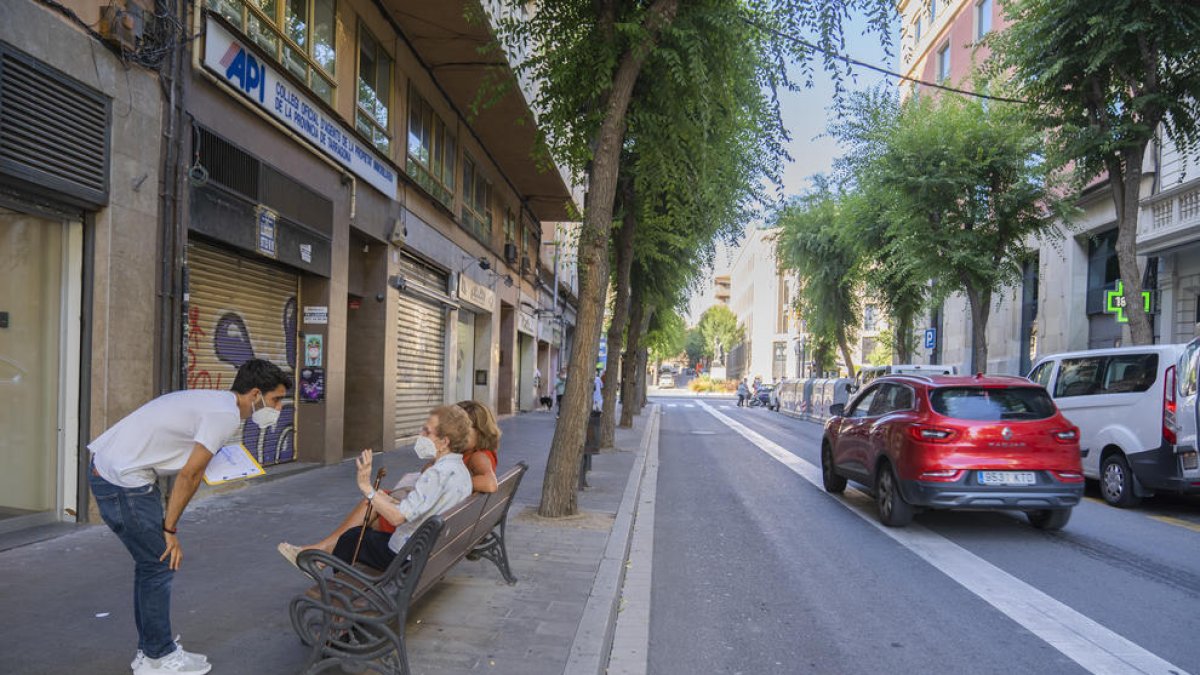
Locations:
805 115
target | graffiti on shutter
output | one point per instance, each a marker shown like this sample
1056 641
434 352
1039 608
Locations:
240 309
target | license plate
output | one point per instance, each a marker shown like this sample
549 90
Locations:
1007 478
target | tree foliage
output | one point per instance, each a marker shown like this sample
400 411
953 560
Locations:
812 243
719 327
1102 76
667 335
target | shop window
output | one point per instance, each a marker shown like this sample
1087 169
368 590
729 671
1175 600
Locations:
372 115
477 200
299 34
431 150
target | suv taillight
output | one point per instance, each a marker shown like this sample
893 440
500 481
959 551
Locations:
1168 423
1066 435
928 434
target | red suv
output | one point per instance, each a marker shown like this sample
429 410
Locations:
945 442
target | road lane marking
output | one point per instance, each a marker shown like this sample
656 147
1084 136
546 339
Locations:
1079 638
1177 522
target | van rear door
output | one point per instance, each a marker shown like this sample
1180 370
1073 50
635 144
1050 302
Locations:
1189 377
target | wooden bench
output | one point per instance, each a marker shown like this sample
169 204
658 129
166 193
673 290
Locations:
355 616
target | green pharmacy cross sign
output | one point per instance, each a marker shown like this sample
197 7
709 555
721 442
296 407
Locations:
1114 302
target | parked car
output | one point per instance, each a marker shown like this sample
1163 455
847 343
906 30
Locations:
953 442
666 381
1126 403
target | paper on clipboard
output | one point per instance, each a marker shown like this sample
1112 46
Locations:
231 463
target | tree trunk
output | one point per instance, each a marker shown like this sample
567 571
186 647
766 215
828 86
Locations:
629 373
902 337
643 359
981 310
1126 193
620 319
559 496
844 345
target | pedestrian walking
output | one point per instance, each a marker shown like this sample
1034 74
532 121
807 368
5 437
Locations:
175 434
743 392
598 392
560 388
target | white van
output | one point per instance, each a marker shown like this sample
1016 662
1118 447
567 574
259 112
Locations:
1124 402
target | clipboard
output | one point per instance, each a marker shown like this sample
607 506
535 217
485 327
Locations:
232 462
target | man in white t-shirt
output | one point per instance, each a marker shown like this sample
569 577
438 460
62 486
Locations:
175 434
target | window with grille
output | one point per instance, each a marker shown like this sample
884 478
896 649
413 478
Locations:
299 34
477 200
373 112
431 150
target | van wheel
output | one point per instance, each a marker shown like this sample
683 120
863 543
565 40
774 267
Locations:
1049 519
834 483
1116 482
893 510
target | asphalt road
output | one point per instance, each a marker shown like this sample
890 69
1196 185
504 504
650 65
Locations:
757 570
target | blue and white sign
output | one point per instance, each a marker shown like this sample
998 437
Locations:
602 355
267 220
230 60
930 338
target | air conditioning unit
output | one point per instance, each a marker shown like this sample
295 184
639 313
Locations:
510 252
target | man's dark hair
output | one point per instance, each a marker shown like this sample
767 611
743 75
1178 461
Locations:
260 374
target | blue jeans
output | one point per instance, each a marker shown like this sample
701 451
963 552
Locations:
135 515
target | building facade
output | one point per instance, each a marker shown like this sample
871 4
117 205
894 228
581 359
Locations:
1059 304
311 183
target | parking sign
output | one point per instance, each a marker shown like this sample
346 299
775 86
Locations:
930 338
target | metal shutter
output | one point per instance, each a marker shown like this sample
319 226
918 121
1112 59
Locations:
420 347
54 130
240 309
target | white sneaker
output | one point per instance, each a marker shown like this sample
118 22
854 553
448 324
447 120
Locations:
177 661
141 656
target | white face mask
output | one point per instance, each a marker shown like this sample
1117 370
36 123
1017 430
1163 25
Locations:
425 448
265 416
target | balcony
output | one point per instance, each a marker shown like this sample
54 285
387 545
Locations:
1169 219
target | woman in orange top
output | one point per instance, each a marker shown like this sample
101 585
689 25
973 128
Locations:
483 442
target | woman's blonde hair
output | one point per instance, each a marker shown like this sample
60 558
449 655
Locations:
487 432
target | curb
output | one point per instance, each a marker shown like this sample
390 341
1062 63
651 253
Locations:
593 639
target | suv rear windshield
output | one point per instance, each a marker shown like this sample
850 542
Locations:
992 403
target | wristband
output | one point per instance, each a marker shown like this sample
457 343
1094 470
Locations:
169 530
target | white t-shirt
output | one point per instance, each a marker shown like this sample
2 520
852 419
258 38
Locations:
157 438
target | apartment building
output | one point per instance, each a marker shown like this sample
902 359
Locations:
312 185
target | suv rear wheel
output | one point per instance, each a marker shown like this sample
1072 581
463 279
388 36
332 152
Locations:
1049 519
833 483
893 510
1116 482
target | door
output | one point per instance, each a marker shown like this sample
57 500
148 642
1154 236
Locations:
38 368
241 309
464 355
1189 377
851 450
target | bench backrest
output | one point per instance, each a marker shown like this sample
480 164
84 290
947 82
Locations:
463 527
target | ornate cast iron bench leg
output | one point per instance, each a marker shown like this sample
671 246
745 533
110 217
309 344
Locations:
492 547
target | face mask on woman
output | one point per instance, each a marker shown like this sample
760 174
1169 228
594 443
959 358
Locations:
425 448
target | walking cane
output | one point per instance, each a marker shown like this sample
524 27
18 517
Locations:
367 516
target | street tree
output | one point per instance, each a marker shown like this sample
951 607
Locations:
964 192
694 347
1102 77
666 336
585 57
828 266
